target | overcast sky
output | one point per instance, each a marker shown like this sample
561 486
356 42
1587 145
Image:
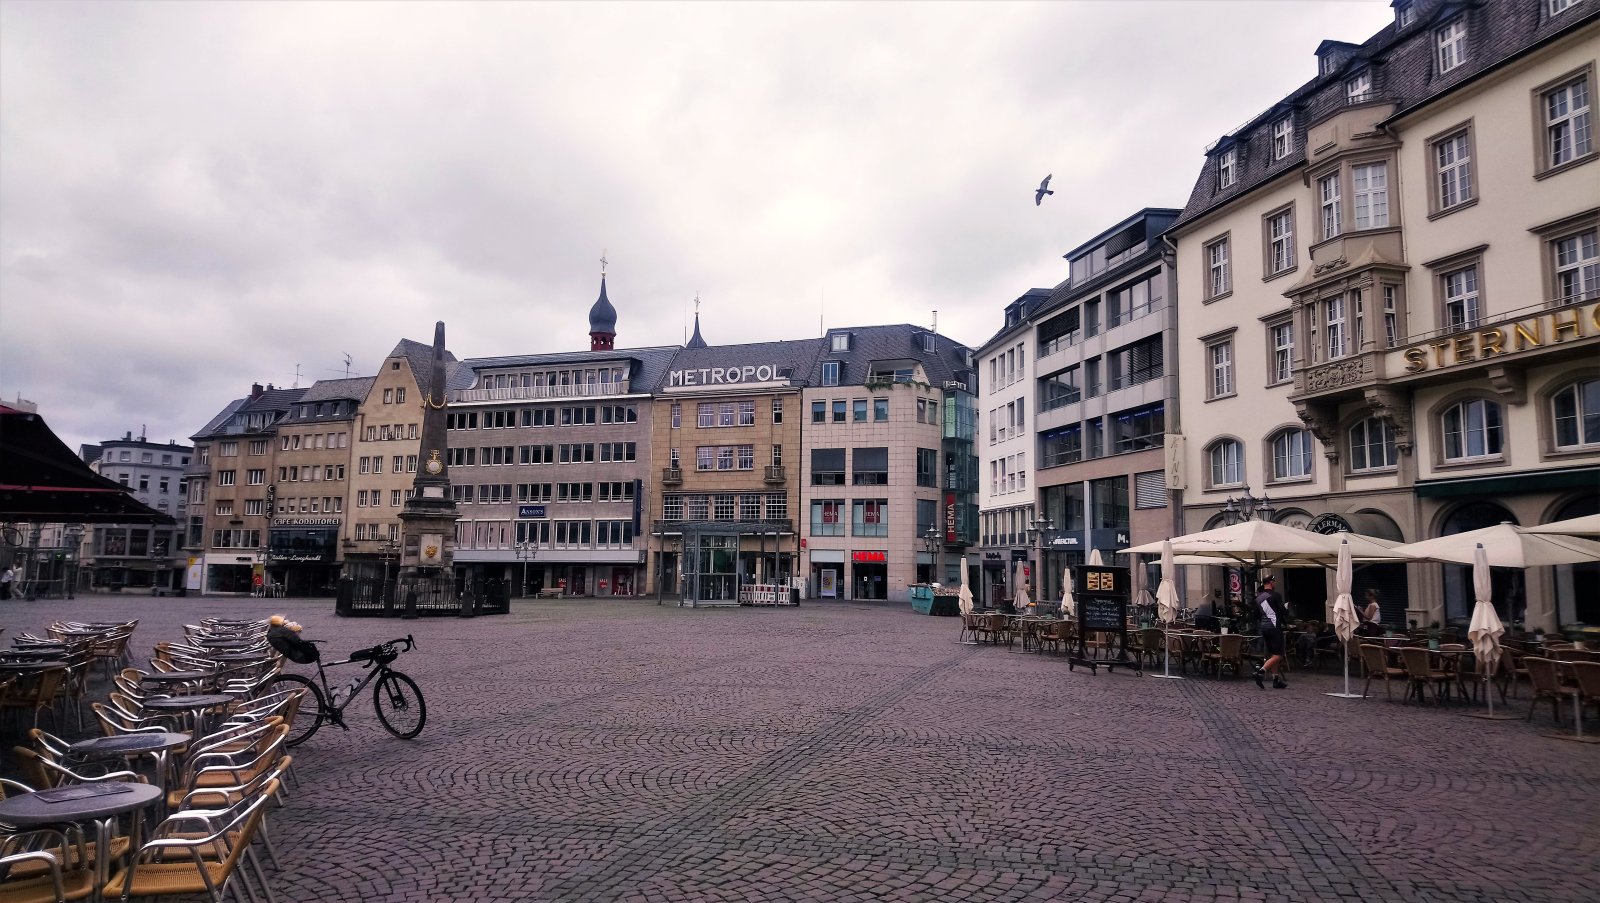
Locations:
196 196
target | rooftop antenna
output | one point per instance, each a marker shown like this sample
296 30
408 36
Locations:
347 360
822 314
296 376
142 432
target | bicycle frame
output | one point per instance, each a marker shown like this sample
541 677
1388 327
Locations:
337 710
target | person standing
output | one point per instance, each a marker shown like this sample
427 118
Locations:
1270 605
6 577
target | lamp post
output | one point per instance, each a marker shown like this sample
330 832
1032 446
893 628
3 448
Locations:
933 546
1042 531
388 550
525 553
1239 510
158 551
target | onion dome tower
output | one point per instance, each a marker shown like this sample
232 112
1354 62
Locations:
602 321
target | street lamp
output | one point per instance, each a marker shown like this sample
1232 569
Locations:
1246 507
1042 531
388 550
525 552
933 544
158 552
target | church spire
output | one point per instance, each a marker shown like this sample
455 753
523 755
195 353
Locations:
602 317
695 341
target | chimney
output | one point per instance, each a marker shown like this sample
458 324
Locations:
255 390
128 436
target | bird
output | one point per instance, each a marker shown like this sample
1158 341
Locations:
1044 189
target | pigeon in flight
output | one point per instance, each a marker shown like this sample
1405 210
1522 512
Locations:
1044 189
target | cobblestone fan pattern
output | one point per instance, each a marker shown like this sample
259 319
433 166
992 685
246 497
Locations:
582 750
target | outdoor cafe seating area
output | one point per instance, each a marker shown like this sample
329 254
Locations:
141 775
1482 669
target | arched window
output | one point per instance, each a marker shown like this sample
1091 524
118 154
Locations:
1471 430
1227 462
1577 414
1372 445
1291 454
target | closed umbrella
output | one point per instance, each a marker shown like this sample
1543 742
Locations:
1485 630
1344 612
964 602
1167 607
1095 560
1067 602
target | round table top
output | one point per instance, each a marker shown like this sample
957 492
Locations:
238 657
28 809
32 652
128 744
185 703
177 676
219 642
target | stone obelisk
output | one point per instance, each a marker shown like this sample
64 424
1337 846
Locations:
429 516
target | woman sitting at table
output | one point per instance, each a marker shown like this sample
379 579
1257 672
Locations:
1369 625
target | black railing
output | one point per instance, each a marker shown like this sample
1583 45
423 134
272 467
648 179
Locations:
422 596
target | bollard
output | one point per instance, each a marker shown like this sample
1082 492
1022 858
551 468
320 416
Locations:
411 606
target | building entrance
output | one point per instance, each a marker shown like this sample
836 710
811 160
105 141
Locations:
870 578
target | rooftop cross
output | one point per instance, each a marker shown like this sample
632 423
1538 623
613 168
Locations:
603 261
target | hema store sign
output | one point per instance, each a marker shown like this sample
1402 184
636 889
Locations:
722 376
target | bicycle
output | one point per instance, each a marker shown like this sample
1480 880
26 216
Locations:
395 697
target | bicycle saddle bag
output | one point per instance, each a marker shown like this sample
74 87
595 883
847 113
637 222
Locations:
380 654
289 644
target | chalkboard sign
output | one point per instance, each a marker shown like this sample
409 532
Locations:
1102 597
1101 613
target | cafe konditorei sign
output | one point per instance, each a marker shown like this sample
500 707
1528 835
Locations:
1551 327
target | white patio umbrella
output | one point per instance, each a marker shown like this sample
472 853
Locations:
1167 608
1067 603
964 603
1508 546
1020 599
1588 525
1259 543
1095 559
1344 612
1485 630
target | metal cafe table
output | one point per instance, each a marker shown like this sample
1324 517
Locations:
174 680
156 744
100 803
196 706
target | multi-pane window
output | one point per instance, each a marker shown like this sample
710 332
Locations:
677 415
1282 338
1370 184
1220 271
1227 463
1472 430
777 410
819 412
1577 414
1228 167
1450 45
1403 14
880 409
869 517
1453 162
1358 88
1578 267
1328 204
1282 138
1291 455
1221 355
1337 331
722 506
747 413
1461 309
1372 445
826 517
1391 317
1568 135
1280 241
839 411
830 371
858 410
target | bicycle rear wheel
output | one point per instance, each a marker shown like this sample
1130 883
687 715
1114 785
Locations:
313 707
399 704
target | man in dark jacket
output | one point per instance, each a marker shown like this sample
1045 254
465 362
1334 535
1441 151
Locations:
1270 621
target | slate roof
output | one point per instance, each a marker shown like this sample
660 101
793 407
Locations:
1027 304
354 390
225 423
650 370
1402 62
889 345
795 357
419 355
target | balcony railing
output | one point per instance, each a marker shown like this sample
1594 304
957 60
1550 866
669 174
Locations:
540 393
775 474
672 476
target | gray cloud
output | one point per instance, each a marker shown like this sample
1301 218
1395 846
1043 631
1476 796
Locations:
197 196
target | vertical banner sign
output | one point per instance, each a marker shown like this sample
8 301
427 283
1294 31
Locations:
949 517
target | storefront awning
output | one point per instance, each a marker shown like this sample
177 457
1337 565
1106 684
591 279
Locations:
43 482
1541 481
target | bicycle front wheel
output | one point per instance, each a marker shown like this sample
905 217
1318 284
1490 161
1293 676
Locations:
399 704
313 707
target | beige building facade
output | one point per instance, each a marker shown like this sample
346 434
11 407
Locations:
1388 285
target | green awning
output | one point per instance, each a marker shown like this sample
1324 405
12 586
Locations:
1538 481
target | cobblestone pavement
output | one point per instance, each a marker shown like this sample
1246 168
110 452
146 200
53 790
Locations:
614 750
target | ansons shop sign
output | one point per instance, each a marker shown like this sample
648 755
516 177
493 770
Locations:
721 376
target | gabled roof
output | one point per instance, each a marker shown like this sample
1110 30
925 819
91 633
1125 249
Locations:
419 356
794 357
355 388
1402 62
890 347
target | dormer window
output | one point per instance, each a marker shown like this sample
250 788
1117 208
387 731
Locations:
840 341
1450 43
1559 6
927 342
1228 167
1282 137
1326 65
1403 15
1358 88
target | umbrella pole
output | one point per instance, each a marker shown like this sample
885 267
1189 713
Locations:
1346 694
1166 655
